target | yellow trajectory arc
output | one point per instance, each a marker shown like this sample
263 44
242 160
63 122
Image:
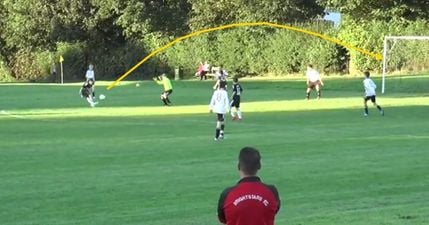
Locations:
377 56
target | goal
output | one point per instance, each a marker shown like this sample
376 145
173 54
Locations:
388 47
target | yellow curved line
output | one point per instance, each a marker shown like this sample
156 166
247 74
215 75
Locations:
377 56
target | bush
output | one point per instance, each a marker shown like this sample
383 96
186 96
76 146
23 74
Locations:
5 74
370 36
255 50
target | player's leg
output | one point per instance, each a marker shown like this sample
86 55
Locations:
163 98
318 89
307 96
218 125
222 126
237 106
365 100
373 100
231 107
310 87
90 101
167 94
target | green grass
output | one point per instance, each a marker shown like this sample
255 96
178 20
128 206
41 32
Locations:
131 161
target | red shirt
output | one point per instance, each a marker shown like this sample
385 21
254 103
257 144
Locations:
250 202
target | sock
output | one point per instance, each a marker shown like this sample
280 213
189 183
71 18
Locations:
217 133
168 100
366 110
222 127
308 95
232 113
318 94
165 101
239 114
379 108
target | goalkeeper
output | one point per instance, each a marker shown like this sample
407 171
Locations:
168 88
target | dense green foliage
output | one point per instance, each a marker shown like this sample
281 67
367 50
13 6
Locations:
115 35
132 161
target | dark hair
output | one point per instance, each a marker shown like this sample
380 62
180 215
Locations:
310 65
235 79
366 73
249 160
222 84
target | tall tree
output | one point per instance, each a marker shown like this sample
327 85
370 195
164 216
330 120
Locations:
381 9
27 24
152 17
209 13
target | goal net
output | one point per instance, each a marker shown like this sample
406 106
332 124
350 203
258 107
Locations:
404 55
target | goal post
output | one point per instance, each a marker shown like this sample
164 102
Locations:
386 52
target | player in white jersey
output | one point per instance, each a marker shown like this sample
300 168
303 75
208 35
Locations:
90 75
219 104
313 81
370 94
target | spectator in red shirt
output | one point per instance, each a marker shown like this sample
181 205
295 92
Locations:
250 202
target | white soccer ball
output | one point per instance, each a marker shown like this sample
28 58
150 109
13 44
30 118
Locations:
137 85
101 97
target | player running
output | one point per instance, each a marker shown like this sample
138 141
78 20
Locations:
219 104
370 87
235 103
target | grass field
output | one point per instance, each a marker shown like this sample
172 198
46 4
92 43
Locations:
132 161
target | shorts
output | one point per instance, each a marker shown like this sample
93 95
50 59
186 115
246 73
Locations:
372 98
167 93
220 117
312 85
235 101
86 92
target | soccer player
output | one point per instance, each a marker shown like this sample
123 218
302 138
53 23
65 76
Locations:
249 202
314 81
236 93
87 93
370 87
168 88
90 75
219 104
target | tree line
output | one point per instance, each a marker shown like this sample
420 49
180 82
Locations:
116 34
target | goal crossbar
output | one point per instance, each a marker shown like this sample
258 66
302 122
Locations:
386 52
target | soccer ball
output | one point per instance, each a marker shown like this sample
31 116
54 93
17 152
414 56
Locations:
101 97
137 85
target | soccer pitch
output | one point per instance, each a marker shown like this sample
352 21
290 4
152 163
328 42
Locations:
132 161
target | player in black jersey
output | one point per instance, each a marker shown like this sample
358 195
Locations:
86 92
236 93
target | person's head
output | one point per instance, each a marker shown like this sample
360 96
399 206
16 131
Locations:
366 74
249 161
222 84
235 80
91 67
163 76
310 66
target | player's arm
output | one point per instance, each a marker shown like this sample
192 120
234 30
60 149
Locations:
212 103
220 206
321 81
373 84
226 102
157 81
